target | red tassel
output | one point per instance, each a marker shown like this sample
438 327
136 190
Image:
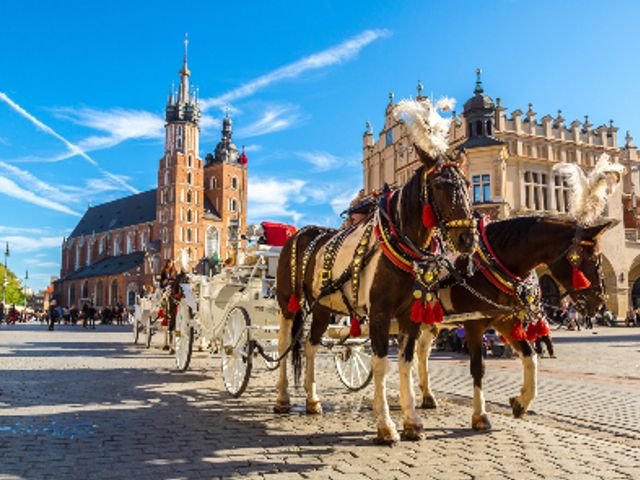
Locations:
543 328
355 331
164 322
580 282
517 332
532 332
502 339
161 313
438 313
427 314
429 219
417 311
294 304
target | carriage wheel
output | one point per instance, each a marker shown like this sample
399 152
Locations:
183 338
149 333
236 357
353 364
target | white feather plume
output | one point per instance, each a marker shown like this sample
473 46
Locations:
427 128
589 193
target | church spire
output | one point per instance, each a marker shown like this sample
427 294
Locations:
478 90
183 91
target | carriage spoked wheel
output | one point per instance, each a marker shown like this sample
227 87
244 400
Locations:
353 363
183 337
236 357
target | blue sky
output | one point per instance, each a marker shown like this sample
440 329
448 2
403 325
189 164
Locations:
83 87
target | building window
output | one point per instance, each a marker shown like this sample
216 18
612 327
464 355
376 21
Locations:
129 244
234 183
189 178
189 216
85 290
214 183
114 292
481 188
478 128
188 235
165 235
233 205
116 246
167 161
561 192
189 196
190 161
89 247
389 137
143 240
77 259
179 139
535 191
166 177
100 246
489 127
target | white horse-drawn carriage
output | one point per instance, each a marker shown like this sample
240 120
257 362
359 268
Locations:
235 314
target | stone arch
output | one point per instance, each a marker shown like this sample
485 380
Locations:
132 291
212 242
85 290
611 286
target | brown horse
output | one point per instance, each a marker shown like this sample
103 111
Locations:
522 244
347 273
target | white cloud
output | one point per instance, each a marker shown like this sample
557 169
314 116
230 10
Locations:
7 230
332 56
269 198
273 119
35 262
22 244
72 147
341 202
322 161
252 148
10 188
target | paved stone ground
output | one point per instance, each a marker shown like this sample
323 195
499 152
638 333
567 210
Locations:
80 404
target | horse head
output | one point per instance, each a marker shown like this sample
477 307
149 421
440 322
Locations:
579 269
445 192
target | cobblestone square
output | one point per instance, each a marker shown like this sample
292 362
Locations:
81 404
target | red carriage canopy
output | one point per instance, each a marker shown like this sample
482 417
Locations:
277 233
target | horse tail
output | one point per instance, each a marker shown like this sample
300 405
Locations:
296 347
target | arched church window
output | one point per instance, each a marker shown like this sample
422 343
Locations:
190 161
166 177
116 246
85 289
189 178
478 128
189 216
188 235
470 125
189 196
129 243
212 242
234 183
489 127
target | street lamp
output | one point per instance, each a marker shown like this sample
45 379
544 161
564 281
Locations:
26 277
5 280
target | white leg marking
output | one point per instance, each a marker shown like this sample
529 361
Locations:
478 401
284 339
530 387
380 367
407 396
424 350
309 376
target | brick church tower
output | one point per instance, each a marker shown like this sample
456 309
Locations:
180 194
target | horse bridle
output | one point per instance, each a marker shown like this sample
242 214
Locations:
438 174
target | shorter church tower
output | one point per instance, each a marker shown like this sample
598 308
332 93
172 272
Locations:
225 184
180 194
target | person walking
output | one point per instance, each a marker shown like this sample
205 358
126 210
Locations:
630 318
92 317
85 314
53 315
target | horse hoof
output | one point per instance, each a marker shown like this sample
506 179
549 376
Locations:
480 423
429 402
517 409
411 432
387 436
314 408
282 407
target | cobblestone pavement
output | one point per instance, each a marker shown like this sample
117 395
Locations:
89 405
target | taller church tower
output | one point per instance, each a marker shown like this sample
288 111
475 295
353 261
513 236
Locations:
180 193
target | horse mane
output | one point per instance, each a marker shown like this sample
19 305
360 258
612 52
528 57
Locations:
515 230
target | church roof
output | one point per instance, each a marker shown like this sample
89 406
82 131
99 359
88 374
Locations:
109 266
131 210
210 212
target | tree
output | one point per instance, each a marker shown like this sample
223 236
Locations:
15 293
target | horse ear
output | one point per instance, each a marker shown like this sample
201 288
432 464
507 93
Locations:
596 231
424 157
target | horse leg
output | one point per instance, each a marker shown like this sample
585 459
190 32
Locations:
379 328
425 342
521 403
474 331
412 425
284 340
319 325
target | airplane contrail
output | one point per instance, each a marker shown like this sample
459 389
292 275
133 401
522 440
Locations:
71 146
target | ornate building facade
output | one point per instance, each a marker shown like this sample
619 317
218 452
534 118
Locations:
510 169
196 216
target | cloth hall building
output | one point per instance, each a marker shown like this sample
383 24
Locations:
510 169
195 217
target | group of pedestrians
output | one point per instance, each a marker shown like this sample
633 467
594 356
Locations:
568 316
87 315
632 319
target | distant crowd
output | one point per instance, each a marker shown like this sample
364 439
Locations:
87 315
